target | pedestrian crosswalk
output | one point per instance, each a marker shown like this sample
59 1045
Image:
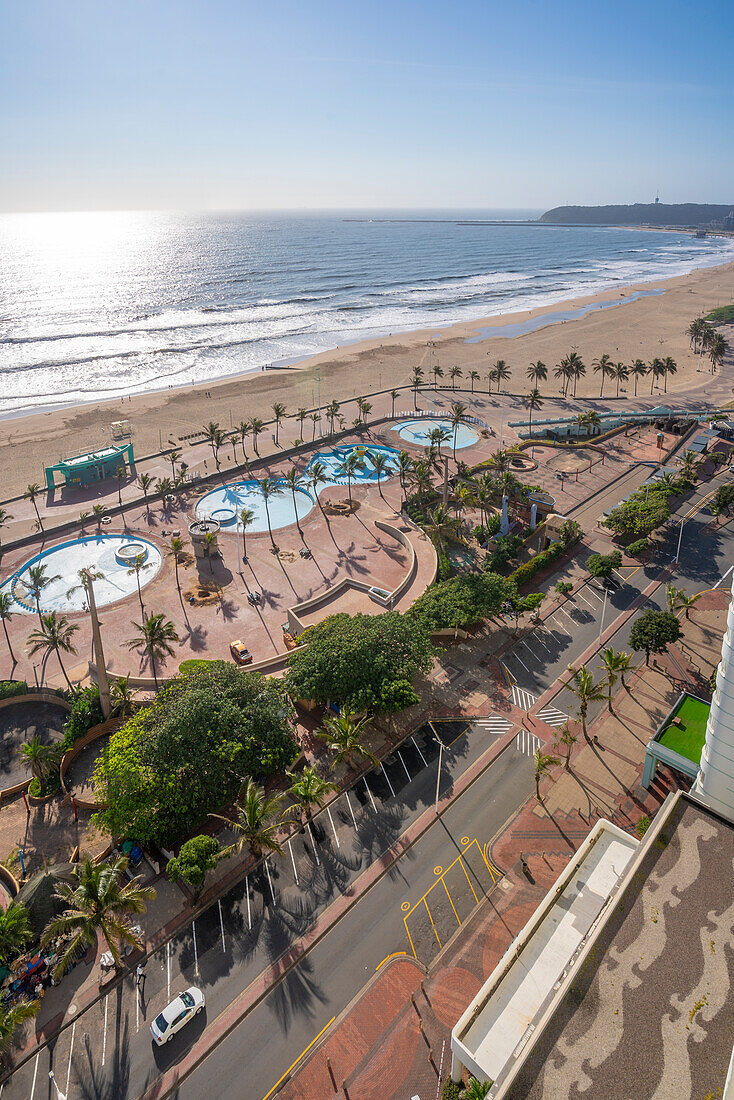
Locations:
527 743
552 716
495 724
522 698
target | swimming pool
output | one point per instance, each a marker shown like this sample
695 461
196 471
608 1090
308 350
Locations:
417 431
226 505
333 461
105 554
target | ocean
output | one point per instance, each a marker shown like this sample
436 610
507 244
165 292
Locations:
104 304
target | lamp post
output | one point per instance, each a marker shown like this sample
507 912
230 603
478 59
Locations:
603 609
438 774
680 536
59 1094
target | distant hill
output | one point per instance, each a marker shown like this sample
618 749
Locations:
689 214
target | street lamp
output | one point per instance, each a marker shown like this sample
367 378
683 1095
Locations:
603 609
59 1094
438 774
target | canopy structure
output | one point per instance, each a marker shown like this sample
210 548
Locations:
95 466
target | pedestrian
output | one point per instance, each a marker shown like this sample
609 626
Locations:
139 976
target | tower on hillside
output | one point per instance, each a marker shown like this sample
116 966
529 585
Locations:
715 780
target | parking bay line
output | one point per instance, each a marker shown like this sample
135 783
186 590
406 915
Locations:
349 803
404 765
221 925
35 1072
333 827
293 861
104 1033
71 1051
369 792
196 949
425 762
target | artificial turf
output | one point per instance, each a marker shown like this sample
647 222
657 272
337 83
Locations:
689 740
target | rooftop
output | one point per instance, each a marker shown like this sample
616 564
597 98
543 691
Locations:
648 1009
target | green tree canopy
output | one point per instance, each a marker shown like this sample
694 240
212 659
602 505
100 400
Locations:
461 601
363 662
197 856
602 565
184 756
724 498
653 632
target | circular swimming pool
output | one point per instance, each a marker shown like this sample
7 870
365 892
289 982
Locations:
226 505
418 431
105 554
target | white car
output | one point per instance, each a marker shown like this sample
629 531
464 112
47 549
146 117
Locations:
177 1014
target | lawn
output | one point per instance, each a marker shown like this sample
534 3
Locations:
688 740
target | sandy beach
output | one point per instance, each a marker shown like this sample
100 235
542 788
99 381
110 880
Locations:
626 328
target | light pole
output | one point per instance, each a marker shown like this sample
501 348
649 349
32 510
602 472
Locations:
502 420
603 609
59 1094
438 774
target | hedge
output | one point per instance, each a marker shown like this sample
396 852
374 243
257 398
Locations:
528 569
11 688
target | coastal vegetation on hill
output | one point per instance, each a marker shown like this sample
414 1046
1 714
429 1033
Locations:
685 214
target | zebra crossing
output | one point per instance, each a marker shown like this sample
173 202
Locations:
522 698
494 724
527 743
552 716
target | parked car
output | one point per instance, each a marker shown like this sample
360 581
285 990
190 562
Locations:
240 653
177 1014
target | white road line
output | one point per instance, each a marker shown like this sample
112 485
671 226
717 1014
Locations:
568 616
404 765
71 1051
531 651
137 1009
349 804
388 779
721 579
168 968
560 627
545 646
104 1033
313 845
369 792
518 658
293 861
591 605
270 883
425 762
221 925
35 1071
196 949
247 895
333 827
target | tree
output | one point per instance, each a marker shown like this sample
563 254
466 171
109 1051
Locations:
405 470
718 348
586 690
458 416
32 493
462 601
689 464
56 633
603 365
195 858
613 665
15 932
567 739
437 373
183 757
121 697
98 511
382 466
6 614
442 528
278 414
318 475
475 1090
362 662
654 631
563 588
120 474
332 411
173 457
257 427
315 419
502 373
474 376
620 373
638 370
349 467
98 900
294 481
394 394
270 487
5 519
695 332
139 565
724 498
247 518
37 581
669 367
415 384
243 430
309 789
543 764
155 638
603 565
11 1019
343 734
533 401
214 437
259 816
656 370
537 372
144 482
177 551
37 759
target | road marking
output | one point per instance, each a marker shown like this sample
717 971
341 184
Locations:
522 698
313 1043
591 605
221 925
552 716
531 651
104 1033
388 778
270 884
333 827
559 625
293 861
724 576
394 955
495 723
313 844
168 967
404 765
247 895
545 645
137 1009
35 1071
527 743
71 1051
461 863
425 762
448 895
431 919
442 875
196 949
349 803
369 792
519 658
568 616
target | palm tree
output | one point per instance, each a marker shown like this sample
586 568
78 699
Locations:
121 697
563 371
689 463
32 493
213 436
537 372
6 614
474 376
458 416
437 437
247 518
294 480
543 763
437 373
270 487
309 789
695 332
415 383
501 373
37 581
342 733
420 476
443 527
278 414
577 368
405 470
567 739
98 899
585 689
638 370
11 1019
318 476
380 462
533 401
590 420
36 758
348 468
139 565
5 519
145 481
56 634
243 430
15 932
177 551
332 411
612 665
656 370
718 347
603 365
394 394
173 458
669 367
259 816
620 373
301 417
155 638
315 420
98 511
678 600
257 426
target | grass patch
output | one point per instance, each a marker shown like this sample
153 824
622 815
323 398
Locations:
724 315
688 738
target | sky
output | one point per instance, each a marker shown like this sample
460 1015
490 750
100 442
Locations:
363 104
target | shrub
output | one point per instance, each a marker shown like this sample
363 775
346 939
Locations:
639 547
86 711
642 825
564 588
602 565
504 548
451 1091
51 784
197 856
10 688
528 569
462 601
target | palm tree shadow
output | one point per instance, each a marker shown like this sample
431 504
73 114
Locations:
295 994
103 1083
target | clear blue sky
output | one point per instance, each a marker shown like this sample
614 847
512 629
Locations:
363 103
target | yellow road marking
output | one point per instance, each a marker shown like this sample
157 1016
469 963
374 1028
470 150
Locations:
393 956
448 895
415 953
278 1082
441 878
468 880
431 920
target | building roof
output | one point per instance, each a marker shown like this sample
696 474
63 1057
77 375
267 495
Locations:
648 1009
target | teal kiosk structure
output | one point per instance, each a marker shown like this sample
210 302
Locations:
85 469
